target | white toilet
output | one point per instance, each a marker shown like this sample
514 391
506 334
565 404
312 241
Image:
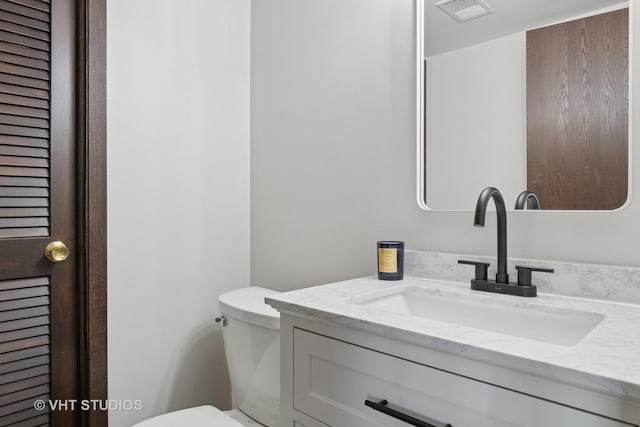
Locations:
251 333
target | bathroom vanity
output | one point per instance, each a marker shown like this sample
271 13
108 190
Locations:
366 352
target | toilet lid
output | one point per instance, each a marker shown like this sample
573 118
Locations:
201 416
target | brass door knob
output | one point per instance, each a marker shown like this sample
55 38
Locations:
56 251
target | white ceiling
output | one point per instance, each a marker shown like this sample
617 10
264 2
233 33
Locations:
443 34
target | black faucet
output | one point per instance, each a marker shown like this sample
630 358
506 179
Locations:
481 211
524 287
524 197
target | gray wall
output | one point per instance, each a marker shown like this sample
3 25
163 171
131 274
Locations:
178 178
333 154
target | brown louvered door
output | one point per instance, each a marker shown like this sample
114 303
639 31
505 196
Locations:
38 298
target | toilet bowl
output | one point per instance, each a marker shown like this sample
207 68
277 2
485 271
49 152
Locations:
251 334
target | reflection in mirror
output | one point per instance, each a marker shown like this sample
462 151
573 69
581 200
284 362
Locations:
528 199
526 97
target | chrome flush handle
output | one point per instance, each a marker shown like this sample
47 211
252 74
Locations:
222 321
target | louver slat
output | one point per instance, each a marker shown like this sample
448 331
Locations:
23 97
35 4
19 406
18 70
9 150
23 212
24 40
24 394
24 30
24 61
23 364
23 51
23 192
24 11
21 416
24 20
25 142
6 129
23 202
27 172
27 122
32 162
9 233
23 81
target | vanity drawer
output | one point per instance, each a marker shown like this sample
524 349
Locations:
332 380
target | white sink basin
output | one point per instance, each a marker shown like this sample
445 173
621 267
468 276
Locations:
505 316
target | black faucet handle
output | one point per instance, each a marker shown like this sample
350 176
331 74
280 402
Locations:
481 268
524 274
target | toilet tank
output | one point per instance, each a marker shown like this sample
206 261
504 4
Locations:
252 346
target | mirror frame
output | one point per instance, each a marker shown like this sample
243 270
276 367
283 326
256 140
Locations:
420 120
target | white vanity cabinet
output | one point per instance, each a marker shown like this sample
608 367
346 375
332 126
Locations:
328 371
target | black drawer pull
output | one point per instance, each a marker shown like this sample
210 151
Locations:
383 407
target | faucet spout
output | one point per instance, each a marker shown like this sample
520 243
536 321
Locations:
486 195
523 199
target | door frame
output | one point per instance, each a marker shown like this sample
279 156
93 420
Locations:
92 206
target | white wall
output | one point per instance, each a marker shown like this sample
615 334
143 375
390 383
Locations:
178 178
476 112
332 131
333 154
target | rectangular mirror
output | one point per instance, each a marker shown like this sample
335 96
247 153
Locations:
531 97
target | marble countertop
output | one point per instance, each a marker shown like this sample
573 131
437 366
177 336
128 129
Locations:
607 359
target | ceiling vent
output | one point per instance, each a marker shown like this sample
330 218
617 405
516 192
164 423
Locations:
465 10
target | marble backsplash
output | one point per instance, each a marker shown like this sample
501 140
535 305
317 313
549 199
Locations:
605 282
